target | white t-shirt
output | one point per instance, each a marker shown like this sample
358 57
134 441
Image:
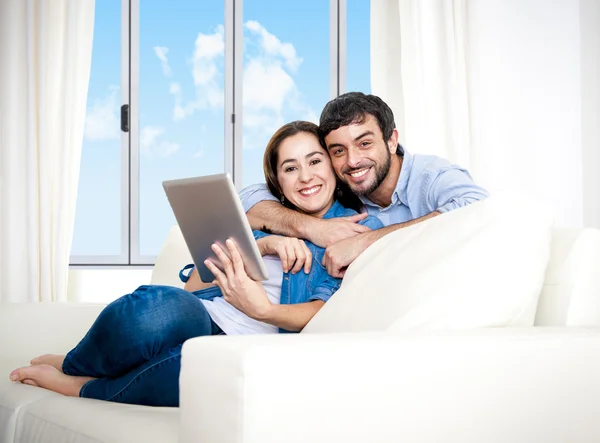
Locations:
234 322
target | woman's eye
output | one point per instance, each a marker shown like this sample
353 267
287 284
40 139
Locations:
290 168
315 161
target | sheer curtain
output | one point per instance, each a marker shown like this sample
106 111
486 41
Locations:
509 90
45 48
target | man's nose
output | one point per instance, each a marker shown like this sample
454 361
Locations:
354 158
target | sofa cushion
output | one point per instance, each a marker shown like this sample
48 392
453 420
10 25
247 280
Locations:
173 256
14 397
478 266
82 420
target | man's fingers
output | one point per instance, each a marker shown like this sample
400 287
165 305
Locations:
361 228
357 217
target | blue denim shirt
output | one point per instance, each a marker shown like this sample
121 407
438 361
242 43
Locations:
426 183
301 287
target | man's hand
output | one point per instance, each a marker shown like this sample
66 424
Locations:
325 233
340 255
237 288
293 252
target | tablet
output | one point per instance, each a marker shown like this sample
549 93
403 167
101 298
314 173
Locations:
208 210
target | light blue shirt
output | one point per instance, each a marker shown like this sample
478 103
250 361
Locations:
426 183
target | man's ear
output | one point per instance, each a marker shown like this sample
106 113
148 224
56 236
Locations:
393 142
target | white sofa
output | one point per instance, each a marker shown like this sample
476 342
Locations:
524 384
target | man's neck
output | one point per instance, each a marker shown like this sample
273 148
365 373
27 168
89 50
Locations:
382 196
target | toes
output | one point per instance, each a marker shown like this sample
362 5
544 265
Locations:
19 374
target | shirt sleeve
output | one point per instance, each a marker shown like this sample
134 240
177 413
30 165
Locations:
254 194
452 189
326 289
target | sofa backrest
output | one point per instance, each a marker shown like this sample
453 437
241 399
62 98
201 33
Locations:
570 295
571 291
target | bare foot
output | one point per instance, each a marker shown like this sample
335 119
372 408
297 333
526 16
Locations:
53 360
48 377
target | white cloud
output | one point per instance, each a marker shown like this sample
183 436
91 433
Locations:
102 121
273 47
270 94
207 73
151 143
161 52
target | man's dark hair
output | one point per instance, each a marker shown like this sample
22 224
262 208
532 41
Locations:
353 108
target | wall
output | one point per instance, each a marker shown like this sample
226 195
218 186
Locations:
525 68
104 285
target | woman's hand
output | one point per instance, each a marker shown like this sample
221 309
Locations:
293 252
238 289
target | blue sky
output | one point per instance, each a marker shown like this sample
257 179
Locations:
286 77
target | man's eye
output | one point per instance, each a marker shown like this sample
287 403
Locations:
363 144
338 151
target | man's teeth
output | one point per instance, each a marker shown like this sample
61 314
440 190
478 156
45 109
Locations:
310 191
359 173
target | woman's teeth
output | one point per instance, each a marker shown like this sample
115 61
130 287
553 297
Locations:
310 191
359 173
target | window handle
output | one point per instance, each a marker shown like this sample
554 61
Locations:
125 118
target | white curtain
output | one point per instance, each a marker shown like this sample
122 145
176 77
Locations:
45 49
418 67
510 90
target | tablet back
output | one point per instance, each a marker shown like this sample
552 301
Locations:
208 210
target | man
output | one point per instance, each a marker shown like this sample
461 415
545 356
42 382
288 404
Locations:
400 189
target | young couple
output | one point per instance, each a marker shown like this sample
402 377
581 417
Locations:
132 352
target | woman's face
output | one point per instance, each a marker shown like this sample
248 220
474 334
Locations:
305 175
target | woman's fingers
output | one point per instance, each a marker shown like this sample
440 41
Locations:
308 255
225 261
221 278
299 254
236 257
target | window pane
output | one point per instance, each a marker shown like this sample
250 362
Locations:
97 230
181 104
358 59
286 71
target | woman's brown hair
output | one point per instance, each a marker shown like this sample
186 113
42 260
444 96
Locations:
342 192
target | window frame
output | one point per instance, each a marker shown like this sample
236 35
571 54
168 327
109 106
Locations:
233 117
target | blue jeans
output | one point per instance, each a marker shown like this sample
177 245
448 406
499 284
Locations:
134 346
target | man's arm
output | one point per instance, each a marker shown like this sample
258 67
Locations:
341 254
265 213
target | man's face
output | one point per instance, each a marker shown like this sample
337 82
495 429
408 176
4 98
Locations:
360 156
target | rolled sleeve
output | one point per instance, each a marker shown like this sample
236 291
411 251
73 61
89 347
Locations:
325 290
452 189
254 194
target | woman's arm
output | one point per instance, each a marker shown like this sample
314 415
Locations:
292 317
250 297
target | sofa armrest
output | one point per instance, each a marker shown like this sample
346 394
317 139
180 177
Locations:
502 385
31 329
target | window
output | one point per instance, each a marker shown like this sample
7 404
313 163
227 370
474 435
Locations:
358 55
181 107
285 72
207 83
98 235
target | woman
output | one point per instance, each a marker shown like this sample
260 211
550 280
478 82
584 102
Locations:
132 352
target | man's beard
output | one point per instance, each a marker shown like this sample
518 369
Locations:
381 172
